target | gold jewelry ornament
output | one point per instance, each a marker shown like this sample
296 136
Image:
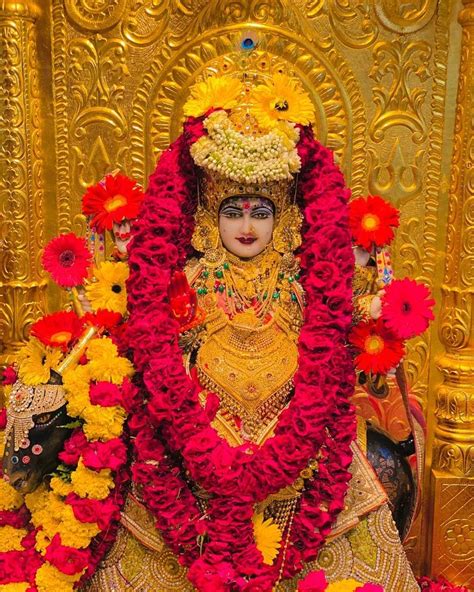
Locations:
287 233
206 232
28 401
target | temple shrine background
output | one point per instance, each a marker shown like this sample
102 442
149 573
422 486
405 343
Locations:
87 86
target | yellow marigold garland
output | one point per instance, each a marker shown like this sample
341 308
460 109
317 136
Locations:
48 578
10 538
49 512
15 587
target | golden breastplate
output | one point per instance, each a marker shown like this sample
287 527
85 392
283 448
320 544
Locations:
250 365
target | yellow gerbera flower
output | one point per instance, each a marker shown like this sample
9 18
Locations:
344 586
107 290
267 537
280 100
35 362
220 93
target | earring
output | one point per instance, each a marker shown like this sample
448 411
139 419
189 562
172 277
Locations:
287 234
206 238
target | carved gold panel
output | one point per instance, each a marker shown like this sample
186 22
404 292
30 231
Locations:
382 75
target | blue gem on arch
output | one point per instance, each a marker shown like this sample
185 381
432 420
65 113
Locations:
247 44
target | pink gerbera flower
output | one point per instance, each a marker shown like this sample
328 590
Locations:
67 260
407 308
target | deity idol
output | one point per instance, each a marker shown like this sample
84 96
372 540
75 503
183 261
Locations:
249 467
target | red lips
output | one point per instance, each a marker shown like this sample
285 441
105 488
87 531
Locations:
246 240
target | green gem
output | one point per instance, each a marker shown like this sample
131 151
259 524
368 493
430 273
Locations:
226 265
205 273
276 295
281 275
229 293
200 291
221 288
265 294
204 290
219 273
297 276
293 297
291 279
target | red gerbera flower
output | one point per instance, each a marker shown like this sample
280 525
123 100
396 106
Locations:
371 221
407 307
59 329
378 347
112 200
103 319
67 259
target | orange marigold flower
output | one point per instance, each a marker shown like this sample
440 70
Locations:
372 221
59 329
378 348
113 199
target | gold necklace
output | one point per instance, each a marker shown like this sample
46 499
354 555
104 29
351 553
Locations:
252 283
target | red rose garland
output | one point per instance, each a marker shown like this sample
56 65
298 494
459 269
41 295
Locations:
318 418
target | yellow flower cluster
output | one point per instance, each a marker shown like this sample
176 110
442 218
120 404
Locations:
55 517
10 499
105 364
280 98
49 578
92 484
49 513
11 537
15 587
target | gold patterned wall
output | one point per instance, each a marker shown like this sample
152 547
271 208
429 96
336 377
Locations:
113 76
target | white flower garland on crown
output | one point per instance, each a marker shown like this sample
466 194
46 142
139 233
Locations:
244 158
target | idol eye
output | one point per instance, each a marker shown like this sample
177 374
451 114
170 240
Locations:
261 214
43 418
231 213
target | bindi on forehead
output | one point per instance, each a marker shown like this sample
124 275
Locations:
248 203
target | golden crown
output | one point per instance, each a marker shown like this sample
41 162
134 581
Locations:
250 146
215 189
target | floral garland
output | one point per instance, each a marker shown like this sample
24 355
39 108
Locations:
54 538
243 158
318 424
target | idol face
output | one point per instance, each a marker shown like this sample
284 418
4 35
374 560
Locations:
122 234
246 225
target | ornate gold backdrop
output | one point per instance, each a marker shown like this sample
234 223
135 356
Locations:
90 85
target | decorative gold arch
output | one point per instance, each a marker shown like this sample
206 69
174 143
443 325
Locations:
91 85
